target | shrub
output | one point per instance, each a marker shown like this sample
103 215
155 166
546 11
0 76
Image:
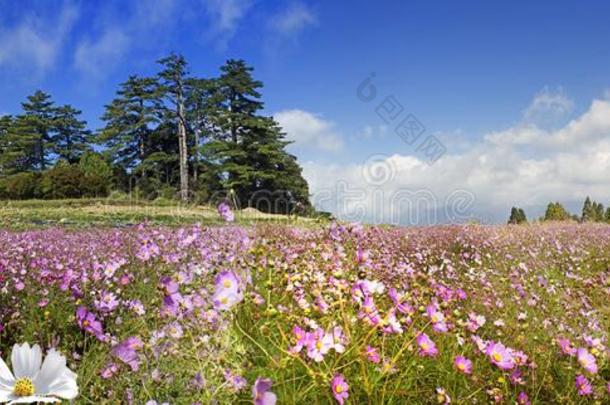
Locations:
21 186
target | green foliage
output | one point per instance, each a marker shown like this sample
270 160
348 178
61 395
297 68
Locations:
171 135
517 216
21 186
556 212
592 211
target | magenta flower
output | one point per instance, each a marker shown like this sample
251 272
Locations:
500 356
437 318
523 399
126 351
426 346
583 385
107 302
566 346
227 292
372 354
586 360
302 338
369 312
339 388
463 365
319 344
261 392
88 322
224 210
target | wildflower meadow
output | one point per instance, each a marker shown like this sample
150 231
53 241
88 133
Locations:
321 314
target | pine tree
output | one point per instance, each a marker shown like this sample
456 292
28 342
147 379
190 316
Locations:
21 150
607 216
39 116
588 213
598 211
517 216
174 89
199 108
129 119
71 136
6 122
522 217
249 148
556 212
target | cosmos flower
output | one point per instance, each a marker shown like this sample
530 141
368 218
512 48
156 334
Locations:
88 322
372 354
261 392
369 312
437 318
462 364
566 347
586 360
583 385
319 344
225 212
475 322
107 302
340 388
426 345
126 351
523 399
302 338
442 397
33 380
500 356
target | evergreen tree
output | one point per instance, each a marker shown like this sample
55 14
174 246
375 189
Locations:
588 213
517 216
21 150
248 148
6 122
598 212
522 217
199 108
37 126
71 136
129 119
607 216
174 88
556 212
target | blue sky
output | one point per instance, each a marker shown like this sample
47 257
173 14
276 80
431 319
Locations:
471 73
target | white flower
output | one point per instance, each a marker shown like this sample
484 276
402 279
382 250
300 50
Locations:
34 380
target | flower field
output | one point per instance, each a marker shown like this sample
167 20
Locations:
335 314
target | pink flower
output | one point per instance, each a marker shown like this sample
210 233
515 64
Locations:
261 392
369 312
319 344
224 210
566 347
522 399
583 385
372 354
463 365
475 322
87 321
126 351
302 339
586 360
339 388
500 356
437 318
426 346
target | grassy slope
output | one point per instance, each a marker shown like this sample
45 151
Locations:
79 213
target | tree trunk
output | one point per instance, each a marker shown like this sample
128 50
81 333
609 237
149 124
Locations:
184 174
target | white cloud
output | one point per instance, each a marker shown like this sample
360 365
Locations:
96 58
548 108
35 42
225 16
309 130
497 172
293 19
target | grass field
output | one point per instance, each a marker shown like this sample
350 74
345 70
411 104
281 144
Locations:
83 213
328 313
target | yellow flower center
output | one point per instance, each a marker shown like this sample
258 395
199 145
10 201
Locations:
23 387
86 323
224 300
424 346
318 344
226 284
338 389
461 366
497 356
435 318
